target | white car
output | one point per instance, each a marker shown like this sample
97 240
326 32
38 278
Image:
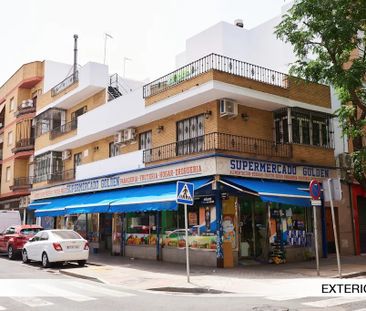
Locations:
50 246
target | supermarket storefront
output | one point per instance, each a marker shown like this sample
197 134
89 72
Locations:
260 207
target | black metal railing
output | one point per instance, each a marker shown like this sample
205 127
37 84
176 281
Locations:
22 182
220 63
64 84
27 106
24 142
61 176
218 142
63 129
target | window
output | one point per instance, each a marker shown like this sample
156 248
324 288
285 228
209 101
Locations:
145 143
10 138
44 236
8 173
308 127
113 149
190 135
11 104
49 120
78 112
66 235
48 166
77 159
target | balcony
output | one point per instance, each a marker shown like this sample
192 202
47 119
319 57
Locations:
27 106
64 84
218 142
219 63
63 129
22 183
25 144
120 163
55 177
61 176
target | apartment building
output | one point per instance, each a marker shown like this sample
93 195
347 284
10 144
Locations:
18 101
108 153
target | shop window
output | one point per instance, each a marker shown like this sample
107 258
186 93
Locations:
113 149
190 135
201 224
141 229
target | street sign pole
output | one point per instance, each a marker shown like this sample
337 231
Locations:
185 196
315 192
316 241
334 229
187 243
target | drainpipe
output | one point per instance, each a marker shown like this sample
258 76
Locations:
353 219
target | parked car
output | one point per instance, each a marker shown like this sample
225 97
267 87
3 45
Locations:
13 238
9 218
50 246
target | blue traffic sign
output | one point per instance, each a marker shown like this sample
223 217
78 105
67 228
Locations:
315 189
185 193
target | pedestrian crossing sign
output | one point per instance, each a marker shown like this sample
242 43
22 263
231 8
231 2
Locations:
185 193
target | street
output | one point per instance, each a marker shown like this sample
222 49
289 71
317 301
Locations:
29 287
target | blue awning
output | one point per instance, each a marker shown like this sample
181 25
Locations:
292 193
156 197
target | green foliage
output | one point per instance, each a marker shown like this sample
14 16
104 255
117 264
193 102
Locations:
329 42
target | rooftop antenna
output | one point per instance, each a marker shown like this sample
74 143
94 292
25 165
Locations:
106 36
75 68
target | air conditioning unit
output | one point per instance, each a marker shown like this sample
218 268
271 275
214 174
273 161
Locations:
129 134
344 161
66 154
228 108
28 103
118 138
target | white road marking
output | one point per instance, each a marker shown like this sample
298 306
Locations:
33 301
2 308
364 309
58 292
283 298
333 302
100 290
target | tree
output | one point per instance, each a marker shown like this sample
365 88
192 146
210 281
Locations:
329 43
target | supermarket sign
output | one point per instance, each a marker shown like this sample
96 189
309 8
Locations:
219 165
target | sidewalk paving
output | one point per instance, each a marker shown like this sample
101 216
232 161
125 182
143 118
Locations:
147 274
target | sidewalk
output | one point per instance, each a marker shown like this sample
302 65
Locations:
145 274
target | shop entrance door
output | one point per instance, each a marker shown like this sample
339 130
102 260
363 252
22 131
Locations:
361 204
105 229
253 231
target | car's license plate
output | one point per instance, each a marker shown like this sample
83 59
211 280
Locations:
72 247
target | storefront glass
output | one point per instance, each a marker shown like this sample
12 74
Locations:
141 229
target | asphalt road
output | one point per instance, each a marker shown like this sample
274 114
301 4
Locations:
29 287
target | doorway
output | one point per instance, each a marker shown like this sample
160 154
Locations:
361 205
253 228
329 228
105 229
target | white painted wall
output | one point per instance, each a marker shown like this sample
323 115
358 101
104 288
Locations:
54 73
117 164
340 142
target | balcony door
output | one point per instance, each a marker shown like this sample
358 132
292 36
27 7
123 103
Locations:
190 135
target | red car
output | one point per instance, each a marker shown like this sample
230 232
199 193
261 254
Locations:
13 238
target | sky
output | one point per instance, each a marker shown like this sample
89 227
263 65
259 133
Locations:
149 32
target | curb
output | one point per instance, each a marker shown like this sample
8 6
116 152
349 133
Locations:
80 276
352 275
